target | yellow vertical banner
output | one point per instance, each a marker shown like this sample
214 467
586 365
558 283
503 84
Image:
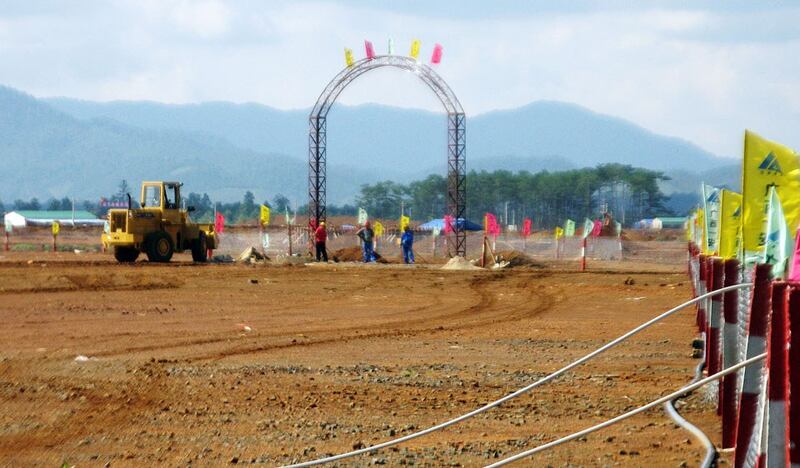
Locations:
56 228
767 164
377 228
559 233
415 44
404 222
348 57
264 215
699 227
730 217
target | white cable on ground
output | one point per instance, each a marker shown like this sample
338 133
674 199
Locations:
521 391
627 415
711 451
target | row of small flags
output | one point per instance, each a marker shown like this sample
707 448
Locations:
760 225
436 55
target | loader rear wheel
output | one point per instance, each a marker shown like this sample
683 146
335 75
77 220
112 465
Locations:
126 254
159 247
200 248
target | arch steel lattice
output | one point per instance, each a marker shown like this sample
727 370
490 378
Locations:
456 139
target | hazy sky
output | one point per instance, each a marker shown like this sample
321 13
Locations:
703 71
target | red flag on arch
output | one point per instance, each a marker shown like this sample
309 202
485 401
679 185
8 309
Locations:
369 49
219 223
436 57
526 227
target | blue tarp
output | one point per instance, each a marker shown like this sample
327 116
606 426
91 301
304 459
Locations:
439 223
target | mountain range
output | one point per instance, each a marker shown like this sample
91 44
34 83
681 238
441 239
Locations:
66 147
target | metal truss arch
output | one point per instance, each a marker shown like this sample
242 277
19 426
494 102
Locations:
456 139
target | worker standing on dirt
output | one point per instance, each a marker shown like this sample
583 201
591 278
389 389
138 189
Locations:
367 235
320 237
407 243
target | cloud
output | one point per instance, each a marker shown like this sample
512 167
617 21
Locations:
704 71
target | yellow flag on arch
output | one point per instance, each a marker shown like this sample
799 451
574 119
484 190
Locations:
730 217
767 164
415 49
348 57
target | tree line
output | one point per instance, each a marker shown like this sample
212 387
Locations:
548 198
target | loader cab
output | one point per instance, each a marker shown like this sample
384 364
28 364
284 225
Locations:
161 195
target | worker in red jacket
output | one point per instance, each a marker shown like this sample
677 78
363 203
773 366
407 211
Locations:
320 236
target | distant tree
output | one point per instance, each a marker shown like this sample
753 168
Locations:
53 204
66 203
33 204
122 191
280 203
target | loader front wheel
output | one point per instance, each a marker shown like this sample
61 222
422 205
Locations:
126 254
159 247
200 248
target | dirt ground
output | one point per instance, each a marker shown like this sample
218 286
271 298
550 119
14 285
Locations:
188 364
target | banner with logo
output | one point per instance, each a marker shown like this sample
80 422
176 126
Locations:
362 216
711 200
370 51
558 233
490 225
767 164
730 228
777 248
377 228
56 228
569 228
264 215
436 56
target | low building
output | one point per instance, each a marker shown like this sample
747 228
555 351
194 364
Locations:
23 218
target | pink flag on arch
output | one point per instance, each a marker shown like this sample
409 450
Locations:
370 50
219 223
794 268
448 224
526 227
436 57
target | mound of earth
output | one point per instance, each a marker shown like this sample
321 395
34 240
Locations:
354 254
516 259
460 263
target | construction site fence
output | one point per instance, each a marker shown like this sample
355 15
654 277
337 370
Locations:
759 406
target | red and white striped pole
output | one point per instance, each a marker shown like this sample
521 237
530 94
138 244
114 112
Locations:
778 382
715 319
701 289
730 338
751 405
794 377
583 255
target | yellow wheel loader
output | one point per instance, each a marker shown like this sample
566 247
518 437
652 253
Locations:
159 228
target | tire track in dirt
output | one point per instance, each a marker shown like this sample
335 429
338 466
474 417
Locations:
544 301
